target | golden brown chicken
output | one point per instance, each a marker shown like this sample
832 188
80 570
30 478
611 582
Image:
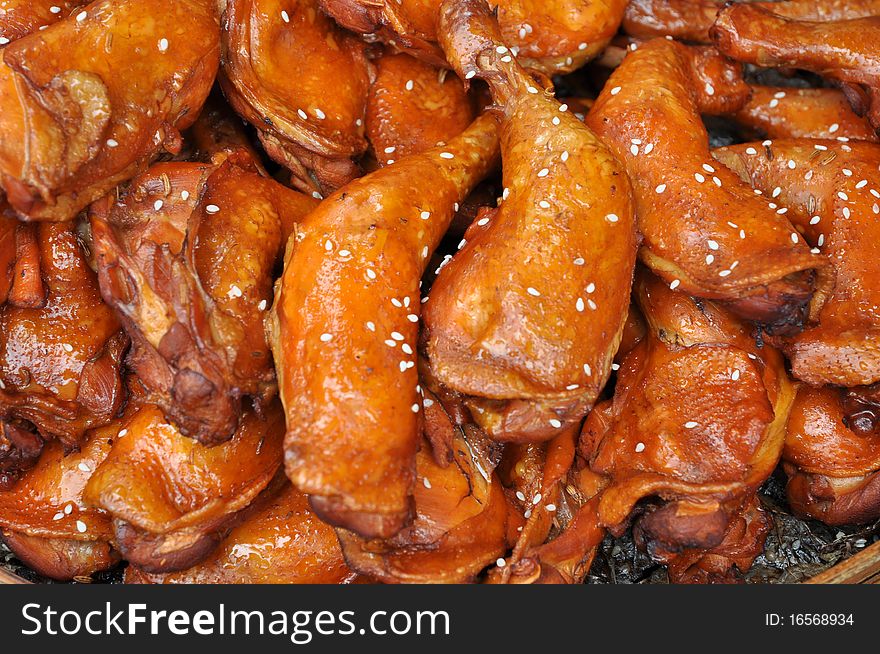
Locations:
550 36
690 20
842 50
278 541
83 106
302 82
696 425
19 18
781 112
44 520
345 324
704 230
460 522
170 498
832 458
60 356
413 106
526 317
832 194
186 256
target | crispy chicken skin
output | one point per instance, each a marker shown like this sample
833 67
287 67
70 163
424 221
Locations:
412 107
841 50
186 256
170 497
831 194
311 122
783 112
460 522
832 461
44 520
690 20
60 359
555 36
703 228
83 108
19 18
527 316
279 541
344 327
697 424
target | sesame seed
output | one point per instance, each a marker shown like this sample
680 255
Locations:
163 45
691 424
537 499
700 178
415 407
724 273
794 237
470 74
563 107
544 204
579 261
708 168
122 433
532 291
791 164
550 507
68 509
674 284
483 221
84 467
543 172
412 317
735 375
572 387
397 336
390 343
833 128
67 347
582 46
54 9
58 516
774 103
520 496
579 305
409 85
320 114
648 148
660 188
234 291
81 16
713 245
717 182
846 212
767 143
564 156
847 172
591 287
709 259
615 90
302 114
780 94
500 563
396 302
112 143
532 90
212 209
501 49
776 192
634 150
158 205
862 184
782 211
842 195
556 424
447 155
751 151
371 326
591 304
425 215
640 447
81 526
326 338
371 273
402 366
612 218
285 16
587 370
262 305
815 220
710 90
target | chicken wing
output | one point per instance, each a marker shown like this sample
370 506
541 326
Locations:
842 50
170 498
552 37
186 257
781 113
280 541
278 58
704 230
832 460
690 20
60 360
83 106
697 424
412 107
527 316
831 193
344 327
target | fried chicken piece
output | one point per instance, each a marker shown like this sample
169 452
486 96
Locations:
186 256
88 102
555 36
279 541
527 316
45 521
704 230
832 459
19 18
783 112
690 20
344 327
170 497
842 50
412 107
460 523
830 192
697 423
302 82
60 360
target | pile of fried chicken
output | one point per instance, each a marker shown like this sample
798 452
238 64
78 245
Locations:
394 302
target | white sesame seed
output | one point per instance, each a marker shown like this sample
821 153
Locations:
862 184
587 370
660 188
320 114
112 143
532 291
81 16
833 128
710 90
544 204
54 9
425 215
794 237
58 516
582 46
543 172
470 74
500 563
735 375
717 182
412 317
708 168
550 507
520 496
843 196
212 209
234 292
724 273
532 90
767 143
262 305
782 211
483 221
447 155
774 103
780 94
634 150
572 387
564 156
709 259
815 220
751 151
776 192
612 218
713 245
68 509
390 343
415 407
302 114
579 305
537 499
163 45
556 424
847 172
397 336
371 273
846 212
122 433
791 164
579 261
285 16
674 284
615 90
691 424
84 467
591 287
640 447
326 338
158 205
648 148
396 302
81 526
700 178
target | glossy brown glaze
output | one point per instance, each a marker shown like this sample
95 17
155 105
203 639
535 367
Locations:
690 20
412 107
831 192
19 18
555 36
345 324
704 230
303 124
781 112
186 256
833 470
697 424
280 541
840 50
526 317
60 360
84 109
170 497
